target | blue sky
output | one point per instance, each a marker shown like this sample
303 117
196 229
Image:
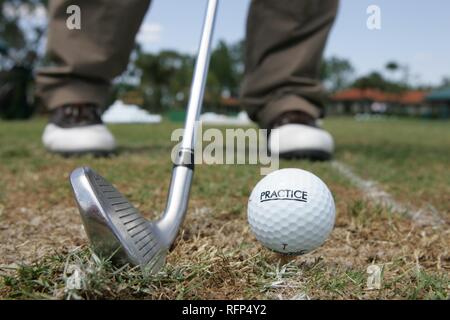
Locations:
412 32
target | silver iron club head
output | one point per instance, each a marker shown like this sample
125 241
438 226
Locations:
114 226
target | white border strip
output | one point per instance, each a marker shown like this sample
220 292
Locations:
375 193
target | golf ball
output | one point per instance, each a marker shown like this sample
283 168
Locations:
291 211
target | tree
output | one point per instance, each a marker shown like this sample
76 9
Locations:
164 76
375 80
20 35
445 82
392 66
336 73
20 32
226 67
164 79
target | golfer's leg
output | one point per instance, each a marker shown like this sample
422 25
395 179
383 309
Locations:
285 42
83 62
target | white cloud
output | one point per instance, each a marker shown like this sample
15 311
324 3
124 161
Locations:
149 33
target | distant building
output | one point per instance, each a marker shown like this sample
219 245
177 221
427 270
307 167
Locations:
411 103
439 100
354 101
373 101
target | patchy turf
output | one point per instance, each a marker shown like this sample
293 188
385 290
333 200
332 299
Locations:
44 252
410 158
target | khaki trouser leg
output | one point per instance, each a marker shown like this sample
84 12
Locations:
85 61
284 46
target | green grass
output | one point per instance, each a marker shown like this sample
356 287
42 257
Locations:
216 255
410 157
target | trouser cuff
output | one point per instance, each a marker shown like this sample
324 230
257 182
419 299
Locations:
56 92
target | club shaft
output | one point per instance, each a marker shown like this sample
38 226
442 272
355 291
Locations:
181 181
199 79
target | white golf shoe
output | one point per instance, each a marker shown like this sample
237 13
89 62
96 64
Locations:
76 130
301 141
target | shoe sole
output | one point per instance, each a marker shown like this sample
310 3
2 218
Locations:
313 155
94 153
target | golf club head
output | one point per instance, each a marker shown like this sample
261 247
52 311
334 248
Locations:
114 226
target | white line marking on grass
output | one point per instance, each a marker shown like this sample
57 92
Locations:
372 190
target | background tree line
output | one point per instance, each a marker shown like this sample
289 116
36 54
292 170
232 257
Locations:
162 80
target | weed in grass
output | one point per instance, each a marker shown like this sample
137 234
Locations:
427 286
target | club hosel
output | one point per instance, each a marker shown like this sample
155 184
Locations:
177 202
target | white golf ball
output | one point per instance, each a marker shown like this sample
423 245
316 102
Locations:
291 211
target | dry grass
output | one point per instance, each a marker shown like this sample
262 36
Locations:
43 247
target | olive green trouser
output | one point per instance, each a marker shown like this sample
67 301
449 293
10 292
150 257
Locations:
284 45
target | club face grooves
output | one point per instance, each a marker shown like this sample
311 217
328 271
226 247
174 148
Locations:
115 227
